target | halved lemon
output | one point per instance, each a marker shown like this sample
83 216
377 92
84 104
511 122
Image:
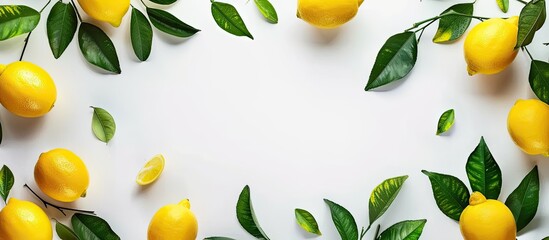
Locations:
151 171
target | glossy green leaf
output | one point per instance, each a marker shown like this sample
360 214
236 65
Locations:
394 61
64 232
164 2
539 79
546 238
6 182
170 24
246 216
103 125
141 35
16 20
452 27
267 10
88 227
228 19
383 196
343 220
483 171
446 121
451 194
405 230
524 200
503 5
218 238
61 27
98 48
307 221
532 17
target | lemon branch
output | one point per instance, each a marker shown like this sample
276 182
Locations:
528 52
28 36
429 21
523 2
59 208
76 10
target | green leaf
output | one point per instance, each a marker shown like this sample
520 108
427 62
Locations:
141 35
16 20
98 48
483 172
164 2
267 9
306 220
531 19
218 238
103 125
452 27
64 232
61 27
539 79
88 227
6 182
246 216
451 194
524 200
394 61
405 230
170 24
228 19
383 196
503 5
446 121
343 220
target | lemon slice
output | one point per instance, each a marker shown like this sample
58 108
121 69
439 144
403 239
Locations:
151 171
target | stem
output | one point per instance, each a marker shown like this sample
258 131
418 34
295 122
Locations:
59 208
76 9
28 36
523 2
144 3
377 231
48 3
529 54
423 29
449 13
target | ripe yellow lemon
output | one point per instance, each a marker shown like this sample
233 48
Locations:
173 221
61 175
24 220
528 125
26 90
111 11
151 171
487 219
327 13
490 45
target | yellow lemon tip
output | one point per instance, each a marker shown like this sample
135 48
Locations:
2 68
513 20
476 198
185 203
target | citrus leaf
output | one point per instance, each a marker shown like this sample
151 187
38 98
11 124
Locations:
452 27
218 238
405 230
446 121
141 35
451 194
64 232
383 196
170 24
503 5
246 216
343 220
394 61
307 221
98 48
61 27
539 79
524 200
228 19
6 182
103 125
16 20
532 17
483 171
164 2
267 9
88 227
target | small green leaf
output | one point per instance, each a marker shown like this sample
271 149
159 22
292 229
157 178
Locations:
394 61
246 216
170 24
446 121
164 2
503 5
267 9
98 48
532 17
539 79
64 232
141 35
343 220
524 200
218 238
306 220
405 230
451 194
383 196
103 124
228 19
453 27
88 227
483 172
6 182
61 27
16 20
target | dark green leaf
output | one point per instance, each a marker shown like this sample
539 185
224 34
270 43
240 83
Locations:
61 27
170 24
218 238
446 121
88 227
483 172
503 5
451 194
16 20
524 200
531 19
267 9
6 182
64 232
246 216
395 60
453 27
383 196
306 220
228 19
343 220
405 230
103 125
141 35
539 79
98 48
164 2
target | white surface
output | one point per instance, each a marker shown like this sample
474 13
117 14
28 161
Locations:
285 113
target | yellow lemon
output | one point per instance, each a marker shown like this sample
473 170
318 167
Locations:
173 222
111 11
327 13
61 175
490 46
24 220
26 90
151 171
487 219
528 125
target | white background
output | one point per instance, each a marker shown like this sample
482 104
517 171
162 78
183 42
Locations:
285 113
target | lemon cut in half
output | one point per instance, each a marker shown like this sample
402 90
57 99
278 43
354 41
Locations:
151 171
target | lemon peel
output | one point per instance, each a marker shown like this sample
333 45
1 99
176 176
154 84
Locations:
24 220
528 126
487 219
327 14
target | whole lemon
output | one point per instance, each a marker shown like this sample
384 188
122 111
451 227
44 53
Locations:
26 90
528 125
24 220
61 175
173 222
106 10
490 46
327 13
487 219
